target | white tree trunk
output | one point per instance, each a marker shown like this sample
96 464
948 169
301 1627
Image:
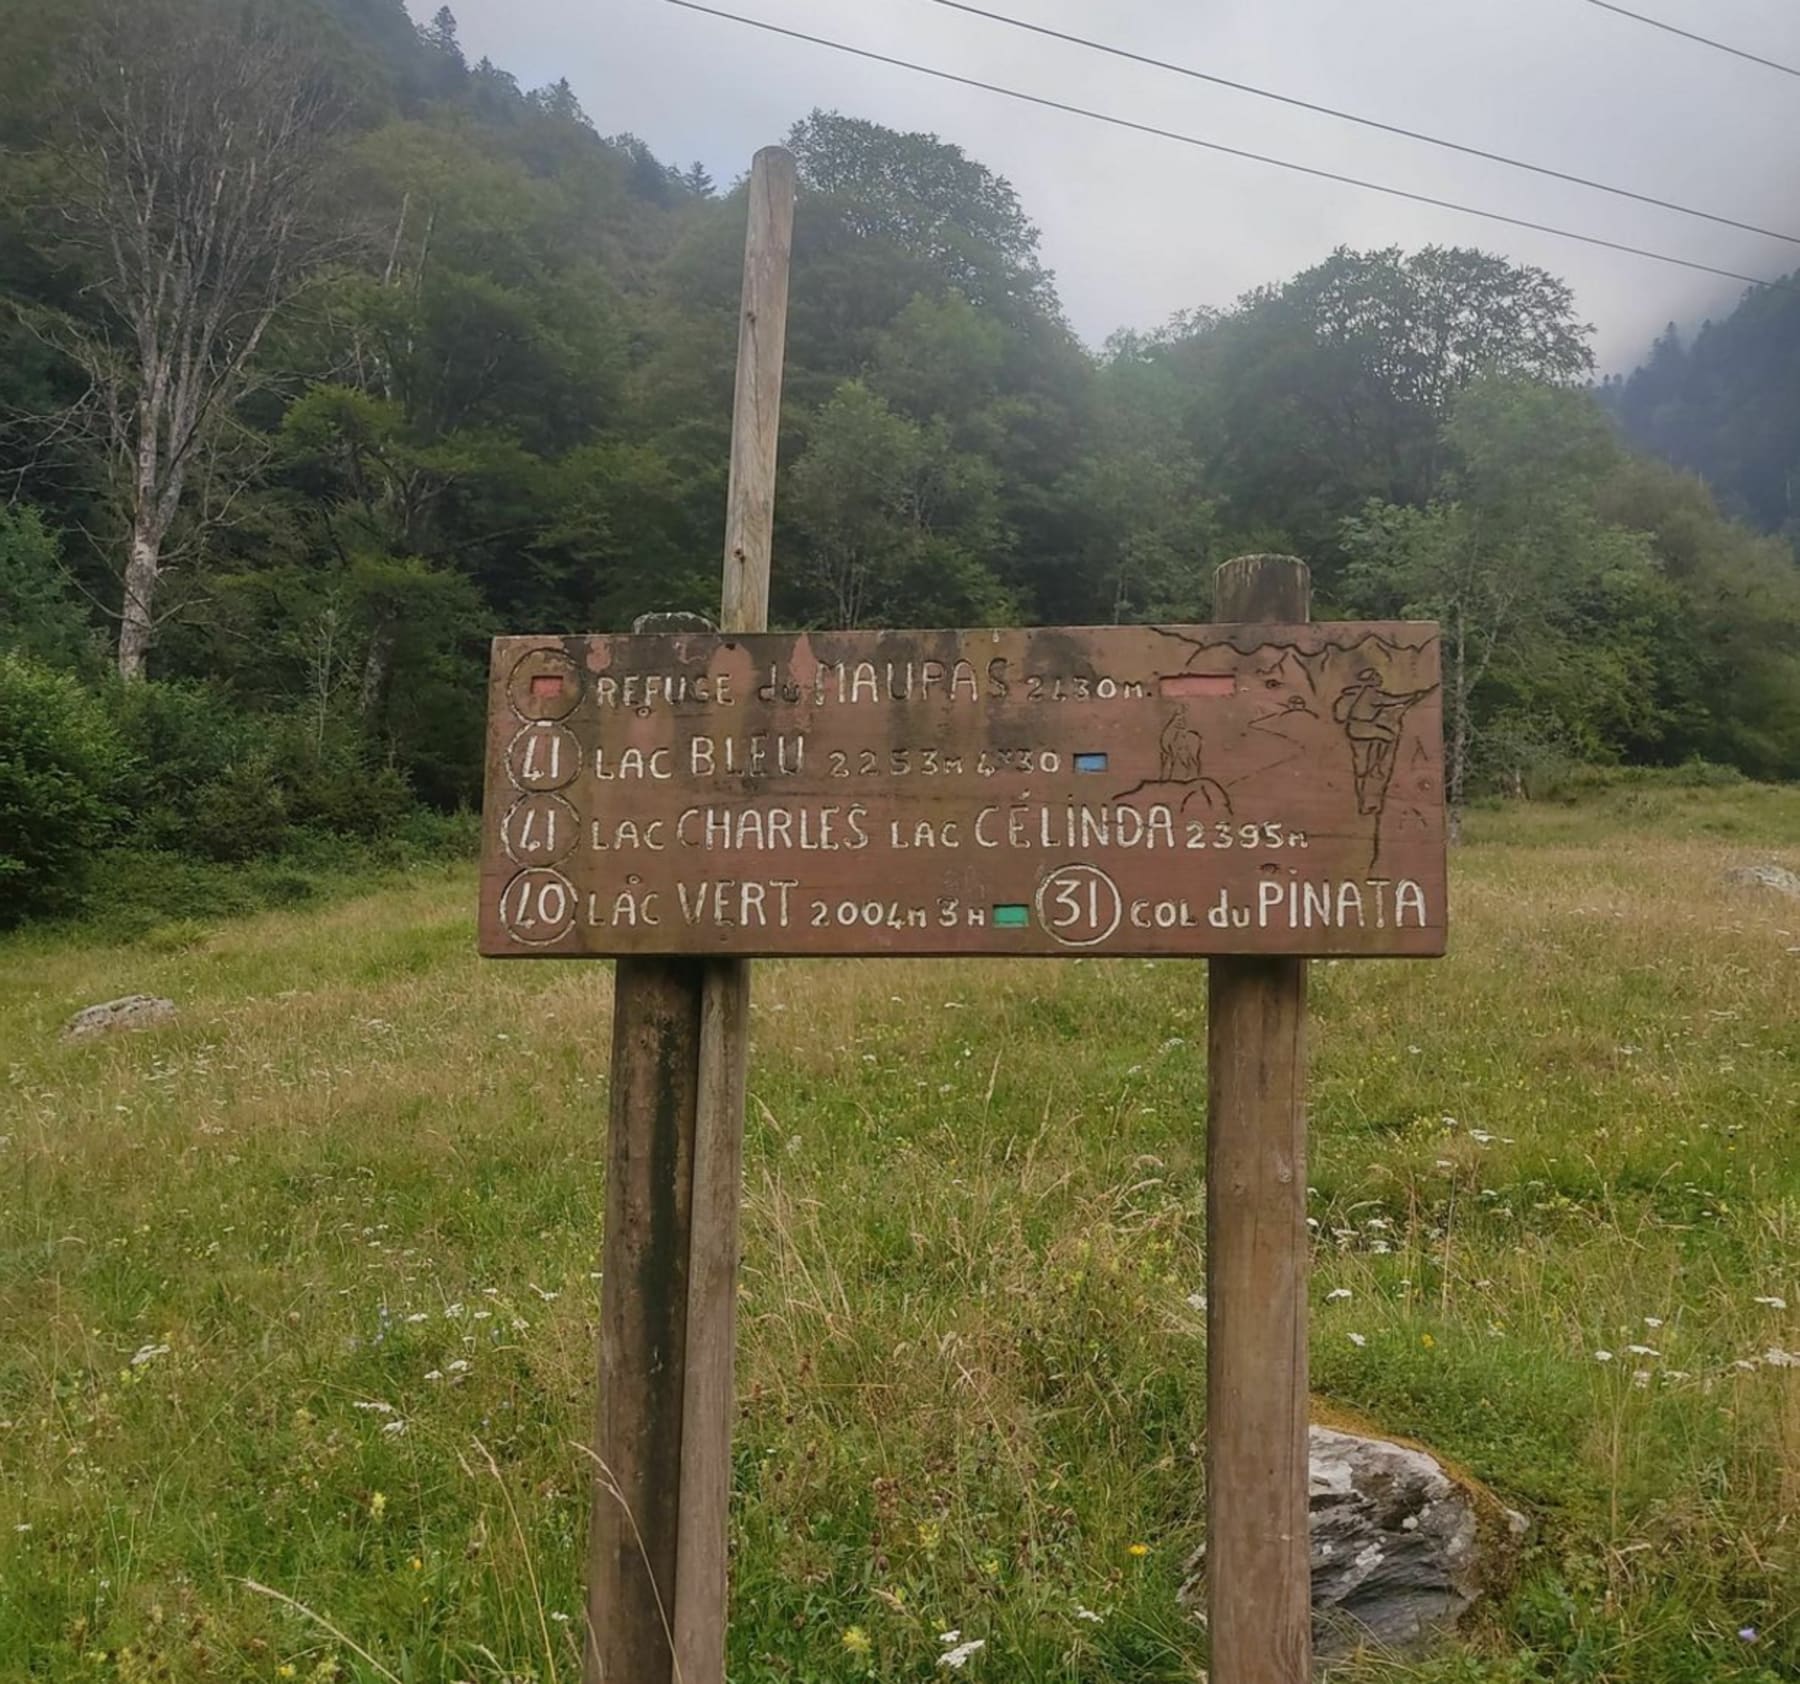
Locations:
143 563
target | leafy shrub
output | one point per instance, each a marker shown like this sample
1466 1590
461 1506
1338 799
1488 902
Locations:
39 615
203 777
239 815
226 784
335 785
62 766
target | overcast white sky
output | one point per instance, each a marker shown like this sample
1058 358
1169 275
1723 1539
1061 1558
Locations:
1136 228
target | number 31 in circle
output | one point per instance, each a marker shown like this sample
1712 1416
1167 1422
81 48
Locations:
1079 905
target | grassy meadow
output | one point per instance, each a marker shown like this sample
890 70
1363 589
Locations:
299 1292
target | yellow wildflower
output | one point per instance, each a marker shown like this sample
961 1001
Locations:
1139 1550
378 1504
286 1670
1427 1341
415 1564
856 1640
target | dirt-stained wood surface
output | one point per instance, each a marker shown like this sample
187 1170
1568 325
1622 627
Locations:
1123 790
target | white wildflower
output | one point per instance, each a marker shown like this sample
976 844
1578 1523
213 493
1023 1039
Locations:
394 1428
956 1659
1337 1293
1357 1339
1642 1351
1772 1303
1776 1357
1087 1614
148 1353
376 1408
1603 1356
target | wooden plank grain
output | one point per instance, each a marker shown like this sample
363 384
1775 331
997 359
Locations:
632 1536
1115 790
1258 1556
710 1398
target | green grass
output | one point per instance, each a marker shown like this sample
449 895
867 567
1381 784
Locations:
301 1288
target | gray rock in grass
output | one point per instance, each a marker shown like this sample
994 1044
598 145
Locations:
1400 1548
133 1011
1766 876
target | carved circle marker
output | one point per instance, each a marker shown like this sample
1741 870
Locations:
539 829
538 907
1079 905
543 755
544 684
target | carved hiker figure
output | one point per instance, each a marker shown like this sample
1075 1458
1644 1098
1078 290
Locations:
1372 719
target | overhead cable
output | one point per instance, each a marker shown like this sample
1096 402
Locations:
1702 40
1189 71
1232 151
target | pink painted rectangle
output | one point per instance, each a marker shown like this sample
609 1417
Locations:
1181 684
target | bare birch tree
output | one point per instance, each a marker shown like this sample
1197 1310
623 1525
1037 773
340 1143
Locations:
188 180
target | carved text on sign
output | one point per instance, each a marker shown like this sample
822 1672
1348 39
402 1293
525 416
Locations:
1125 790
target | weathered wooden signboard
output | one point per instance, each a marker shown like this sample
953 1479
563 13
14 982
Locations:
1123 790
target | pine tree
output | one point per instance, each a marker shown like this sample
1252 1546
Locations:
441 34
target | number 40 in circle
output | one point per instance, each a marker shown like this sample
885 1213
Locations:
1079 905
538 906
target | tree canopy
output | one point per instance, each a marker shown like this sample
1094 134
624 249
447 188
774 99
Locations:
470 369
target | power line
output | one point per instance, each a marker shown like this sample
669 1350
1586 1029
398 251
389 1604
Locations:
1365 122
1230 151
1703 40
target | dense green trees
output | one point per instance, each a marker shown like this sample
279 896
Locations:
481 380
1727 405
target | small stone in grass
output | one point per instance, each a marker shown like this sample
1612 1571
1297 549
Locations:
130 1011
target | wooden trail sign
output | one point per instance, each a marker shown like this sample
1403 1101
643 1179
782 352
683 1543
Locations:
1120 790
684 799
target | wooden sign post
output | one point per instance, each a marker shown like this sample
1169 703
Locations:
656 1593
1258 1552
682 799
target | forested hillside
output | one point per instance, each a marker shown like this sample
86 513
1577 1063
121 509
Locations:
1726 405
325 354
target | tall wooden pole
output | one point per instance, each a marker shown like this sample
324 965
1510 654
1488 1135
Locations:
710 1397
643 1321
1257 1550
657 1539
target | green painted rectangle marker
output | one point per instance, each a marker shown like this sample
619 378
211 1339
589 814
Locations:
1012 917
